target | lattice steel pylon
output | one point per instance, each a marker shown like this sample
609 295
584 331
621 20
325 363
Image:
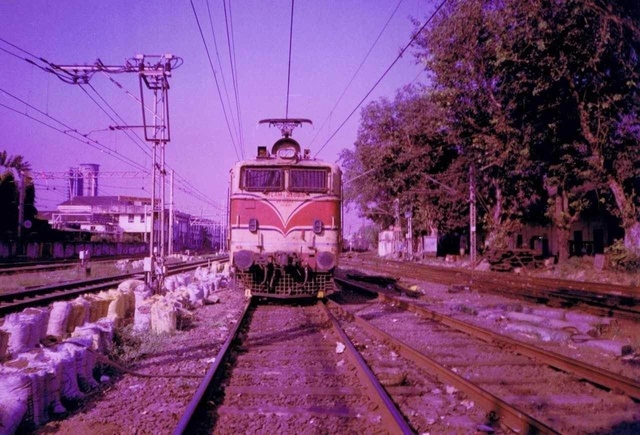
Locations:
153 75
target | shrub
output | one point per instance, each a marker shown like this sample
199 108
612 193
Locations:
622 259
130 346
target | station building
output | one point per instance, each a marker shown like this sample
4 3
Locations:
128 219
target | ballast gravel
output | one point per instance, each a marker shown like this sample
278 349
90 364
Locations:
128 404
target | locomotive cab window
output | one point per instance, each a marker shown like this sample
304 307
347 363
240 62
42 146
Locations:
308 180
263 179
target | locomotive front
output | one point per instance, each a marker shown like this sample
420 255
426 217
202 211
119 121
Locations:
285 221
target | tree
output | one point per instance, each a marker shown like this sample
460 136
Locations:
15 171
461 52
543 97
578 87
400 154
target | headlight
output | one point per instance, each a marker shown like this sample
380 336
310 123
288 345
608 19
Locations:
253 225
325 260
243 259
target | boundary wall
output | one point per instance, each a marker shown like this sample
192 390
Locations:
66 250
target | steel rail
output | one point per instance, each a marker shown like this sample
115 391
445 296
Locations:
523 281
585 371
604 299
36 291
394 421
213 372
14 301
511 416
13 306
41 266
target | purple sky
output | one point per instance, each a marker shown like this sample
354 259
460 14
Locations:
330 40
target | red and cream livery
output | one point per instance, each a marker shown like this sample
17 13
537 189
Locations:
285 220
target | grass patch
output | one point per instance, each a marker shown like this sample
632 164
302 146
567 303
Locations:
130 346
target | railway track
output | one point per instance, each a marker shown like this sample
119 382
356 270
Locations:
43 295
290 369
598 298
45 266
527 389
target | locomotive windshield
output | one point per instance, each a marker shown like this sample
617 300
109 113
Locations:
263 179
308 180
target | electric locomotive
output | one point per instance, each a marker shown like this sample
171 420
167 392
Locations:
285 219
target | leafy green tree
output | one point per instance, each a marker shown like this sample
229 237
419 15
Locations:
461 50
13 170
577 84
400 154
542 97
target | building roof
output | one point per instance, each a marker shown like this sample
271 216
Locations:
106 200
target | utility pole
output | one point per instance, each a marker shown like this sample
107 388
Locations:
21 195
409 215
472 216
396 226
171 217
153 75
152 244
163 189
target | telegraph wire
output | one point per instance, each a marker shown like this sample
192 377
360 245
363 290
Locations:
49 70
28 54
167 165
202 197
180 177
195 193
356 73
234 71
144 150
224 111
235 63
188 189
406 47
126 91
286 113
224 81
85 139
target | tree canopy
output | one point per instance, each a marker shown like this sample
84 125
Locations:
10 168
539 98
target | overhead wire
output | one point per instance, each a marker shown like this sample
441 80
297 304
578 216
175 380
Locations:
31 62
406 47
221 69
191 192
189 188
145 150
85 139
366 56
286 113
224 111
126 91
234 71
188 185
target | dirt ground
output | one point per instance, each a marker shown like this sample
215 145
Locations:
128 404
